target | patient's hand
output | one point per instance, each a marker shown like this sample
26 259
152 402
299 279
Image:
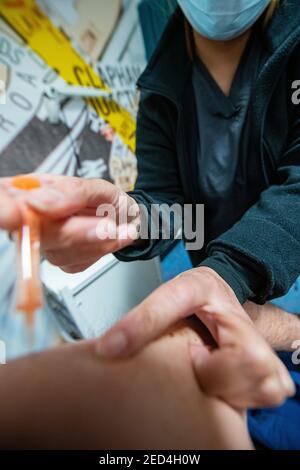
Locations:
243 370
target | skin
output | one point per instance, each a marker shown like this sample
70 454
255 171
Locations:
71 399
241 351
221 58
67 206
279 328
201 391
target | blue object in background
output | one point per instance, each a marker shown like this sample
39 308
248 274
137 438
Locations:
154 15
291 301
278 428
175 262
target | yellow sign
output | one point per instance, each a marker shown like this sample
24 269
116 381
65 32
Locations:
27 19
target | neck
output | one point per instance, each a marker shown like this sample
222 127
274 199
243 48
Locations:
221 58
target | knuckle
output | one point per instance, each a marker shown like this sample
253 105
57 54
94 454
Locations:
208 279
77 183
205 287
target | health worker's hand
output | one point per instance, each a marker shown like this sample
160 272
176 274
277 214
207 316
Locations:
82 219
242 369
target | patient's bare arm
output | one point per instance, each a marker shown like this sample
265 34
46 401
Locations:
278 327
69 398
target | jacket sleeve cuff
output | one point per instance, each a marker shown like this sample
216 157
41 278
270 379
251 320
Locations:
141 249
242 280
134 252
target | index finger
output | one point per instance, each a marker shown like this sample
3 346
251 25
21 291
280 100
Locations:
62 196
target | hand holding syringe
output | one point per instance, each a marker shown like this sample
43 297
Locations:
29 287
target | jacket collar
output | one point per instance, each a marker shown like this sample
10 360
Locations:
285 23
169 68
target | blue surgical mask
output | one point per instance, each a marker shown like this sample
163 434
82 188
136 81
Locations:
222 20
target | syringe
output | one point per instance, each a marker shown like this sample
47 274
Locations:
29 288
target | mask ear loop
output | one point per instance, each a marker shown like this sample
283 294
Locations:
29 292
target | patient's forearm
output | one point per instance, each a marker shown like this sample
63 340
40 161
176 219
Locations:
278 327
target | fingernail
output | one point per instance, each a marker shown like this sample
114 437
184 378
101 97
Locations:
112 346
44 198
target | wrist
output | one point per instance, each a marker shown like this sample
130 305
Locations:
215 277
219 295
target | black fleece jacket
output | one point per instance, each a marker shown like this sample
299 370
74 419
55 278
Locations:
259 256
